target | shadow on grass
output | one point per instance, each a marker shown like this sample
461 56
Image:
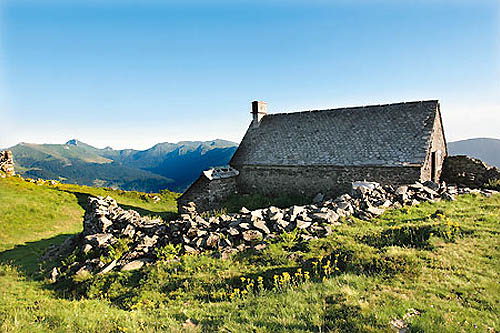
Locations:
83 202
26 257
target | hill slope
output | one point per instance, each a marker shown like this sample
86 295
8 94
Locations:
447 283
166 165
487 150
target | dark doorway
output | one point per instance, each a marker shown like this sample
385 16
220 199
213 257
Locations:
433 166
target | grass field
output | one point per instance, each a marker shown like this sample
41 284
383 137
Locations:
441 266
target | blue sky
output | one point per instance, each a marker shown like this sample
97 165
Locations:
134 73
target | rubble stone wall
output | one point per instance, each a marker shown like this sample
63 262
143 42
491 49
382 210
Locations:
438 146
106 224
308 181
7 162
468 171
208 194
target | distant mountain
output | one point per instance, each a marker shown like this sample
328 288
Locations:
487 150
166 165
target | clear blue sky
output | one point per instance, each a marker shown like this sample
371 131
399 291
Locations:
134 73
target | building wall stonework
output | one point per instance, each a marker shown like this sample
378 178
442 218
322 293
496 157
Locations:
208 194
437 146
310 180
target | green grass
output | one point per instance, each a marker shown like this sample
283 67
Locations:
446 266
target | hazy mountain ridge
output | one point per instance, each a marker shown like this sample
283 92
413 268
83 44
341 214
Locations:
486 149
165 165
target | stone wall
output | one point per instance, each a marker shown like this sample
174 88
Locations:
468 171
308 181
7 162
207 194
438 146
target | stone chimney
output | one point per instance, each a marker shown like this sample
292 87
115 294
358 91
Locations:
259 110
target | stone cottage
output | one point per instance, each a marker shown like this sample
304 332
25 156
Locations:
303 153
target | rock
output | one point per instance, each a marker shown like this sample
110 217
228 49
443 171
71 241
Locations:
252 235
273 210
224 243
99 240
212 240
256 215
260 246
87 248
53 275
302 224
190 324
103 224
189 207
233 231
133 265
189 249
282 223
7 162
243 210
432 185
129 231
344 197
345 206
108 268
244 226
328 217
374 210
318 198
84 271
261 226
447 196
295 211
399 326
430 191
276 216
403 189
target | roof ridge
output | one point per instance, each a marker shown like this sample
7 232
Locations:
354 107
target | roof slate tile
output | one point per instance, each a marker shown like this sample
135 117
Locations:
381 135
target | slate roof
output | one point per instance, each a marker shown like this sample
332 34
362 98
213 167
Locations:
377 135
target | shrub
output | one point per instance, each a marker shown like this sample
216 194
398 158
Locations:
168 252
493 184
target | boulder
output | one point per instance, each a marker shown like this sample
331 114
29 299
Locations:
252 235
99 240
318 198
261 225
133 265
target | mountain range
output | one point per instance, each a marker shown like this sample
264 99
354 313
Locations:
172 166
166 165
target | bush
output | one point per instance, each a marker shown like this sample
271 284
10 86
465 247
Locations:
493 184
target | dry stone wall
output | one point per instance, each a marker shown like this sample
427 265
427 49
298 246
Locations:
7 162
118 239
468 171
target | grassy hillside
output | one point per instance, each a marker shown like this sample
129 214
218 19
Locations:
439 270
